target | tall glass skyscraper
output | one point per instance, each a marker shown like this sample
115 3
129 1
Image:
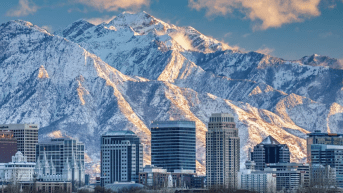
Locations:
173 145
222 151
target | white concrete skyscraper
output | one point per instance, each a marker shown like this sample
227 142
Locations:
121 157
222 151
27 138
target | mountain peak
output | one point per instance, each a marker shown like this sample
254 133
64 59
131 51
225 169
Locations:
75 29
21 26
318 60
141 22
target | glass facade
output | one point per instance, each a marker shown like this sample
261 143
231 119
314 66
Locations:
59 150
326 149
173 145
270 151
331 155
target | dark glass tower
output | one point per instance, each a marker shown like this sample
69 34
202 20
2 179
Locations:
8 146
270 151
173 145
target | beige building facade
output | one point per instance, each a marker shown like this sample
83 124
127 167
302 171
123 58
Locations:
222 151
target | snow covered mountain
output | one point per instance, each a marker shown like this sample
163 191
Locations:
87 79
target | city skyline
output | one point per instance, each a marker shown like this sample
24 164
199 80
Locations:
183 79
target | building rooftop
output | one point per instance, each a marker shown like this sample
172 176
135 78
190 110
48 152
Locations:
270 141
221 115
117 186
178 123
57 141
19 126
118 133
319 133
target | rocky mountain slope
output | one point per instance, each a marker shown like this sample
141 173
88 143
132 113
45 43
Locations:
88 79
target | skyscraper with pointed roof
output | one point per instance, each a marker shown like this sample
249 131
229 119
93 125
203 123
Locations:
270 151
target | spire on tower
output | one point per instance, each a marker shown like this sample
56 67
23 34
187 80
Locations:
45 160
66 164
74 164
38 163
51 162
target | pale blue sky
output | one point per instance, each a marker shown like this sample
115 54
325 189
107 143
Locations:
290 30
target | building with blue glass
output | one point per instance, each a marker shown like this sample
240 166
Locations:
326 149
173 145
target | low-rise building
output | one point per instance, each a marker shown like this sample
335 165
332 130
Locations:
50 187
303 168
198 182
288 181
182 178
257 181
158 178
155 177
18 170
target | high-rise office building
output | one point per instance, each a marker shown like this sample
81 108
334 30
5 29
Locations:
173 145
121 157
322 138
326 149
222 151
60 150
27 138
8 146
270 151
